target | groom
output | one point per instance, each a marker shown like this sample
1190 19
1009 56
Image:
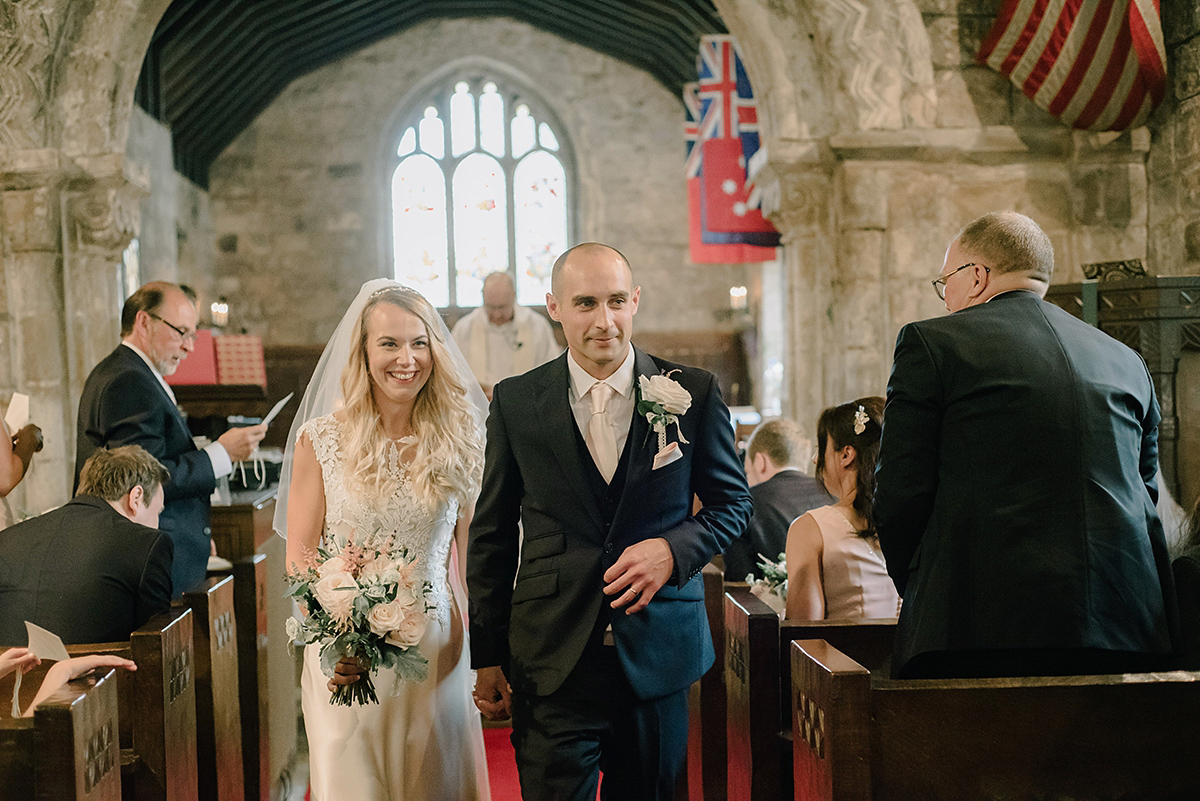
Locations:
594 648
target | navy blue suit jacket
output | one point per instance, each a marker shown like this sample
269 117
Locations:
124 404
538 629
84 572
1016 486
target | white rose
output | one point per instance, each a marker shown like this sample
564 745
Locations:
338 602
292 627
383 618
374 570
410 631
660 389
334 564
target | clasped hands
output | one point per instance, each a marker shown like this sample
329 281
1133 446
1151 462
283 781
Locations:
637 575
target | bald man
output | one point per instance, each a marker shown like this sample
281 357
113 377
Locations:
500 338
605 628
126 401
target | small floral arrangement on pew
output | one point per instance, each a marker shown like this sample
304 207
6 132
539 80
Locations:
772 588
362 601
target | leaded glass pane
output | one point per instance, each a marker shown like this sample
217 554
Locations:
408 142
491 120
462 119
546 137
522 131
540 206
433 134
419 228
480 225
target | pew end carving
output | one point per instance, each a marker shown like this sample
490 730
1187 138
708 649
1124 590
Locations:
860 736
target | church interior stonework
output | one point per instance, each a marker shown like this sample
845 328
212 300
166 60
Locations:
247 149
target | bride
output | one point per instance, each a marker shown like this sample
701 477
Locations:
389 437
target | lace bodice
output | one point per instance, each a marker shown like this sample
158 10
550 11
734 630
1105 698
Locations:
426 533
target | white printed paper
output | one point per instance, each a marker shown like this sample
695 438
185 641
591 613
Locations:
46 644
18 412
277 408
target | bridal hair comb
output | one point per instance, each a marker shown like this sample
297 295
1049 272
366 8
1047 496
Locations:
860 420
399 288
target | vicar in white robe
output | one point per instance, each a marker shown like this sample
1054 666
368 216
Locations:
500 338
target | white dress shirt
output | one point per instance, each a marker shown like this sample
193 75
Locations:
620 406
222 465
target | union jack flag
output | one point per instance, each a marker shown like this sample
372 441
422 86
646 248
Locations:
1097 65
721 131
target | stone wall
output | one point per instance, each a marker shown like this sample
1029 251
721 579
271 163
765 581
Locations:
299 199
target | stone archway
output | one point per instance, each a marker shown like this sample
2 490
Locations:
68 206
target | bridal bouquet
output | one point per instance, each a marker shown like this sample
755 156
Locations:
772 588
363 602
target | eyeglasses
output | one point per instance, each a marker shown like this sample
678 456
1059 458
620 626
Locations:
183 333
939 284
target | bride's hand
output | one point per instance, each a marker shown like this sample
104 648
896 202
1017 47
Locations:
493 695
346 671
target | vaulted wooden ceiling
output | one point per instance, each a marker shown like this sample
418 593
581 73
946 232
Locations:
214 65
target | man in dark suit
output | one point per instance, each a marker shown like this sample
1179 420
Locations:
605 628
126 401
97 568
775 453
1015 500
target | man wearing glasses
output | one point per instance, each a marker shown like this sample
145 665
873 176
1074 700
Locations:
1016 491
126 401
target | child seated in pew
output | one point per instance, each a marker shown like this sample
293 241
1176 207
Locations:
835 567
24 660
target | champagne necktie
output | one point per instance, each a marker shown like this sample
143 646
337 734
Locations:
601 441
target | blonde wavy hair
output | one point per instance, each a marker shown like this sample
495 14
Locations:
448 458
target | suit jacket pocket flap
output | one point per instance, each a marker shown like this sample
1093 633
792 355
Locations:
547 545
538 585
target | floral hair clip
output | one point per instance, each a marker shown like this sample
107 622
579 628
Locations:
860 420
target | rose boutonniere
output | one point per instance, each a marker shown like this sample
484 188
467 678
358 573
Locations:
662 400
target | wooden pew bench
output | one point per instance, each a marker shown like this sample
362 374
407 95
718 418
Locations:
156 707
68 750
758 680
860 736
705 777
218 711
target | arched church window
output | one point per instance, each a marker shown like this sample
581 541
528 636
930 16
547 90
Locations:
480 184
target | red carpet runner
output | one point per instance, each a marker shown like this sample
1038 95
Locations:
502 764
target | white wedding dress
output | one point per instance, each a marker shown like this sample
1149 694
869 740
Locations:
422 742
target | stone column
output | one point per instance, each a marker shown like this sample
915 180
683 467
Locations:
31 185
63 228
798 197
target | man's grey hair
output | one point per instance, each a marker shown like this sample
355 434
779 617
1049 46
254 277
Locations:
1008 242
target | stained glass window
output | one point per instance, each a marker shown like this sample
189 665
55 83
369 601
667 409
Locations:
480 185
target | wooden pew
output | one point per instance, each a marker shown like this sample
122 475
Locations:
218 711
758 686
860 736
706 773
250 612
156 707
68 750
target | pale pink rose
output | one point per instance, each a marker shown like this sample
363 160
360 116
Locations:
410 631
383 618
336 601
377 566
334 564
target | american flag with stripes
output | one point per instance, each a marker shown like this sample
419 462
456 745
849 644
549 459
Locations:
1099 65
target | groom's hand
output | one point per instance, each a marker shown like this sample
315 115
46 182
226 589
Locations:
639 573
492 694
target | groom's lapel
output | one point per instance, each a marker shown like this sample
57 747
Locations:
642 443
554 410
